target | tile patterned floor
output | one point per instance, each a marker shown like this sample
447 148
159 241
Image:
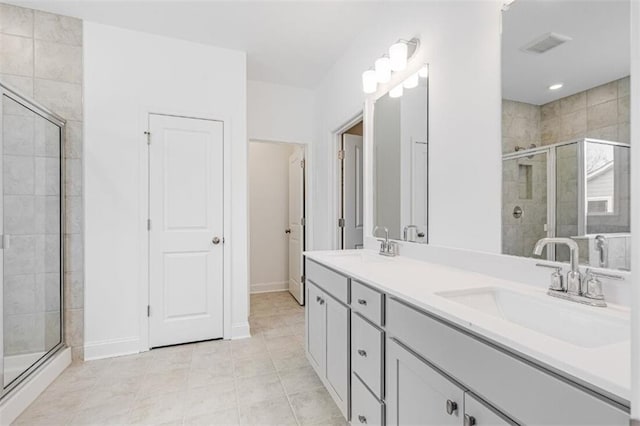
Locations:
264 380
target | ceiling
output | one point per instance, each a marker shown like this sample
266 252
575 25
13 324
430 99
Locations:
599 51
287 42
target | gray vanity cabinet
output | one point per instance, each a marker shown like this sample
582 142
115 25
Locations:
327 332
316 327
478 414
385 361
417 394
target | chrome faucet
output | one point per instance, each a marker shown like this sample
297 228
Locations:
574 278
586 290
387 248
405 231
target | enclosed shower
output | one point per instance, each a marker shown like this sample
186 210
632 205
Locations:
32 228
578 189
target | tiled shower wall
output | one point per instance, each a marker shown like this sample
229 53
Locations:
41 57
601 113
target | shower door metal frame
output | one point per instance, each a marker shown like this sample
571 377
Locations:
551 189
60 122
551 151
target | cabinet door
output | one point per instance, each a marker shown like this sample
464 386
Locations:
417 394
478 414
316 331
337 372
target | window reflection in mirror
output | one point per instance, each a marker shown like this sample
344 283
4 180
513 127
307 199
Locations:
565 129
401 161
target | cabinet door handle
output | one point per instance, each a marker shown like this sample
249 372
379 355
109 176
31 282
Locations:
469 420
318 299
362 302
321 301
452 407
362 419
362 353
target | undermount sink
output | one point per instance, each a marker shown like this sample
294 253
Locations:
558 319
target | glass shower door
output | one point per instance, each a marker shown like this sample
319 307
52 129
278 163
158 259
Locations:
524 202
32 228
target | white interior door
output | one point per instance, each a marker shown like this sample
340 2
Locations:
185 237
352 192
420 190
296 215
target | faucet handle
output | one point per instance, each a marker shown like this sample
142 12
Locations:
594 285
557 280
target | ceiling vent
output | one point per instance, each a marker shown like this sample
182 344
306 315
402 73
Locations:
545 43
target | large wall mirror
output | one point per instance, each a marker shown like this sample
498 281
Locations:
565 129
401 163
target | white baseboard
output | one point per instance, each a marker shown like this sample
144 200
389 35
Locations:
111 348
240 330
22 396
269 287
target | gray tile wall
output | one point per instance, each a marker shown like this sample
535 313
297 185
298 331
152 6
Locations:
520 125
41 56
601 113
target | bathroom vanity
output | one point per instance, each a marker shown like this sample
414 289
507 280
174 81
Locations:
401 342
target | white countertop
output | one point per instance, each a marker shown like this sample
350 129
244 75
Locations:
604 368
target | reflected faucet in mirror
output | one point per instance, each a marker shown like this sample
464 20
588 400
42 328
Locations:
387 248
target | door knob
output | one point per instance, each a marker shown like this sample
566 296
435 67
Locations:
215 240
287 231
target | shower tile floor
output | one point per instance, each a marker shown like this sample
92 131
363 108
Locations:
264 380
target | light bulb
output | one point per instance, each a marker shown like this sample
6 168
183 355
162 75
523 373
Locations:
398 56
424 71
555 86
411 82
369 81
396 92
383 70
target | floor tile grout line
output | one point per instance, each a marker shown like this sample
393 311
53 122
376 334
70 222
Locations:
286 394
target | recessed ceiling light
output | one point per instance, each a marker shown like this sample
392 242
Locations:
555 86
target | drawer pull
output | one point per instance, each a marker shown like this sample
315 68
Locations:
362 419
362 353
362 302
469 420
452 407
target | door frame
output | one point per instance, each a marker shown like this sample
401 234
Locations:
307 230
335 175
144 208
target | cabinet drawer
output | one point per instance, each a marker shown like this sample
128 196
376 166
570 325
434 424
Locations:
368 302
365 408
506 380
366 353
328 280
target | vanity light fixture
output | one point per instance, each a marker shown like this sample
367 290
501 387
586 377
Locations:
398 56
396 92
555 86
369 81
383 69
412 81
424 71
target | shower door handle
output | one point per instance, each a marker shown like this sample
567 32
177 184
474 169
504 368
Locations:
5 242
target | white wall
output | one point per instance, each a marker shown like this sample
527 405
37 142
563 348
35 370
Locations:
279 113
635 209
461 43
269 215
127 74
